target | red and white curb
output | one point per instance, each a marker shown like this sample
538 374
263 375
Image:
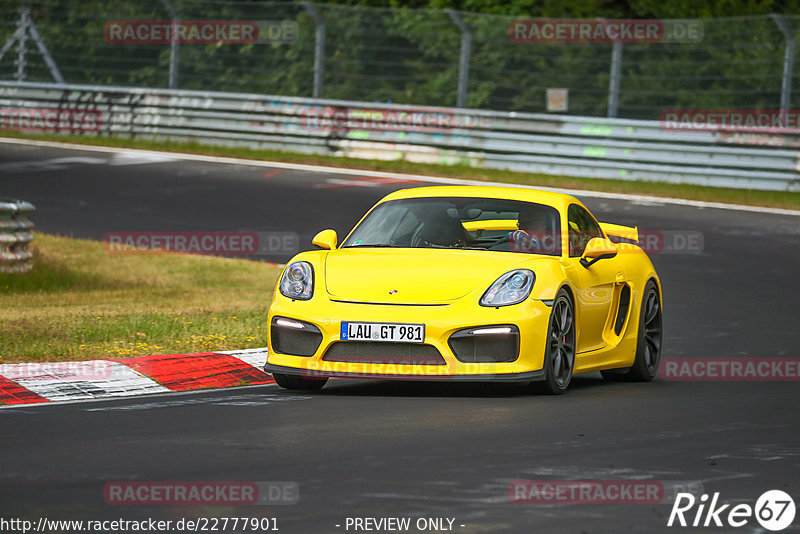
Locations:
29 383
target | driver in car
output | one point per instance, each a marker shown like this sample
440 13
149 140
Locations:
532 225
441 230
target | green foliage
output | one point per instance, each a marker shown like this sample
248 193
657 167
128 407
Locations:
410 53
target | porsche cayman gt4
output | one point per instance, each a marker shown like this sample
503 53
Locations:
468 283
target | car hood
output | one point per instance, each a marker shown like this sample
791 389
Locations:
411 276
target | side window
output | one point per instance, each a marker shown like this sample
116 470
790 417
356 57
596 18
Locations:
582 228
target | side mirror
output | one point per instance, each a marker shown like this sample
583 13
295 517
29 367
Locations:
598 249
326 239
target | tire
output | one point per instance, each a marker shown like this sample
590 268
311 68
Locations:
648 341
294 382
559 358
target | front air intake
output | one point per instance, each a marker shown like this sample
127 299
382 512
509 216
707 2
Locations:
381 352
297 338
486 344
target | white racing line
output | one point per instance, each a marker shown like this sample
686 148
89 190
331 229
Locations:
158 155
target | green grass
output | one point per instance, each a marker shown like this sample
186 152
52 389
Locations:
777 199
81 302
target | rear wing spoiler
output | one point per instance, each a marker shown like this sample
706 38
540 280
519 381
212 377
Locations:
627 233
500 224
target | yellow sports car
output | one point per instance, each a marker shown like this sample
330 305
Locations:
468 283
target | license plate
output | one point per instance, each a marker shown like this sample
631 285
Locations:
396 332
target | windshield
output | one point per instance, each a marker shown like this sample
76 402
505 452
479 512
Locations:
461 223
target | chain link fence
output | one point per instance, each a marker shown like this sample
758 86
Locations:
405 56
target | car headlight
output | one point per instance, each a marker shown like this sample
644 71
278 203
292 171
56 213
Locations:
511 288
297 281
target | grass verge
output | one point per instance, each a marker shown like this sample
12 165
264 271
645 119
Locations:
775 199
80 302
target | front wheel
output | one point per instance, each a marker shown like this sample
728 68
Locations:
559 359
295 382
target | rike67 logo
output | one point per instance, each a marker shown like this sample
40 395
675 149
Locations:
774 510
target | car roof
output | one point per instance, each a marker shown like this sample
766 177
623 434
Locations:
525 194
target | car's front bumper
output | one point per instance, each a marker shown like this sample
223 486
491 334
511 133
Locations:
530 319
530 376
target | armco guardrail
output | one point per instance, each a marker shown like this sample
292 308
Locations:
15 236
549 144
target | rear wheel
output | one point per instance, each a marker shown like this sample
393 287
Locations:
648 344
559 359
298 382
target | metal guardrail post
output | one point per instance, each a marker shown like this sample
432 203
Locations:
48 59
174 46
788 61
463 58
614 79
15 236
319 48
20 36
22 40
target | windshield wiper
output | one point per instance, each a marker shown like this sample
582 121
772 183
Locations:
445 247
